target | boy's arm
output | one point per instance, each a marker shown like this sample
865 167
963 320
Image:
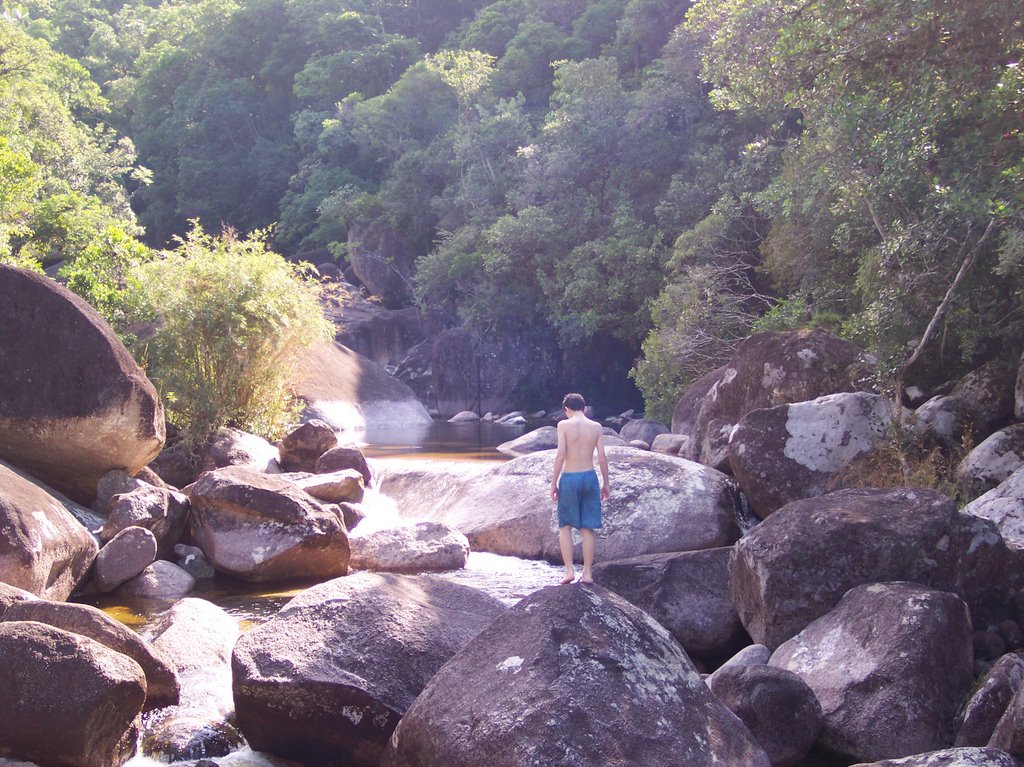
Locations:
559 460
602 462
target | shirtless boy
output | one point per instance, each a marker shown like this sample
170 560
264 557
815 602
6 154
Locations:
577 492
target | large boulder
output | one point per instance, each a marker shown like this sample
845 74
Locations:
770 369
995 459
890 666
990 388
1004 506
686 592
570 675
544 438
794 566
259 527
162 688
777 706
414 548
951 757
327 679
43 548
68 700
789 452
989 702
643 429
658 503
684 417
350 392
73 402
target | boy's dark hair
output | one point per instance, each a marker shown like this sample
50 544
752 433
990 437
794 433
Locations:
574 402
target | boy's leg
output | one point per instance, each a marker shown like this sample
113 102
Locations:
588 554
565 544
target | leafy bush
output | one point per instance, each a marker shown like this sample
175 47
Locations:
229 321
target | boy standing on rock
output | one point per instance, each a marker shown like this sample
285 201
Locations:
577 491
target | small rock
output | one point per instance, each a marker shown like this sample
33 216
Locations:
751 655
345 486
193 561
779 709
123 557
161 580
669 444
344 457
416 548
643 429
466 416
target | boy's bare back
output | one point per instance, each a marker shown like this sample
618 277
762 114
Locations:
582 437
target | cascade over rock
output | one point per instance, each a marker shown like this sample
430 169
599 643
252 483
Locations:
348 391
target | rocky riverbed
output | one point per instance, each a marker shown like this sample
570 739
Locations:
754 605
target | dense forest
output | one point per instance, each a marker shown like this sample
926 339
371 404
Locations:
637 182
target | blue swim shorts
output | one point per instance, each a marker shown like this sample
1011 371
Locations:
579 500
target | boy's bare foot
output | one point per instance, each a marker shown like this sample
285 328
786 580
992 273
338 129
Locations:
569 578
586 578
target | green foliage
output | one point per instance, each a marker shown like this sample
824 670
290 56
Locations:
908 166
230 320
106 274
